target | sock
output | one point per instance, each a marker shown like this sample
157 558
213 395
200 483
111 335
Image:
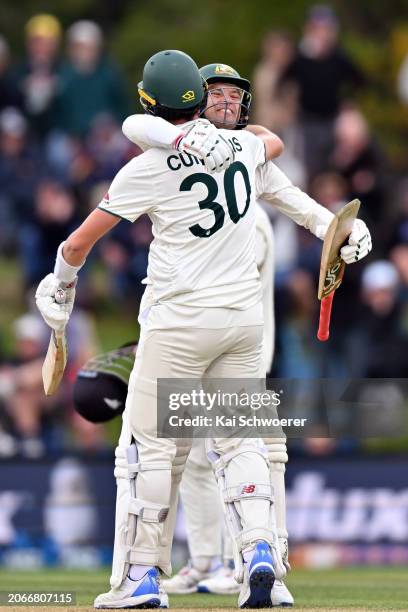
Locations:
137 572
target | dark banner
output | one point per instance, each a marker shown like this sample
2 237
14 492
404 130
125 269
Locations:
62 512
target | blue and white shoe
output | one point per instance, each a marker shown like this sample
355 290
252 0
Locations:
143 593
259 578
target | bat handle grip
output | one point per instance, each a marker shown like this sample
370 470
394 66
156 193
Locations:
323 332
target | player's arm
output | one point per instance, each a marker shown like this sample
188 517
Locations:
71 256
147 131
274 187
201 139
79 244
273 144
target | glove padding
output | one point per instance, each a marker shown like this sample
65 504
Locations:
55 315
205 141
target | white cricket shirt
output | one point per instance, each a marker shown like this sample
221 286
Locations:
203 252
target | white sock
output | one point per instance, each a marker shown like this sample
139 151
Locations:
137 572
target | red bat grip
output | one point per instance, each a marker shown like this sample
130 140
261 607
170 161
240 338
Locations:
324 322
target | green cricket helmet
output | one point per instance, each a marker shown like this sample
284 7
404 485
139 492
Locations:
222 73
171 84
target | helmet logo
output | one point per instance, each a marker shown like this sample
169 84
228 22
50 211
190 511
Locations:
224 69
188 96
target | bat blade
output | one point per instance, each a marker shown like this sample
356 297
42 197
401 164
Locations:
331 264
54 363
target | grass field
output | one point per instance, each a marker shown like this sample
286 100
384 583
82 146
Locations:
356 589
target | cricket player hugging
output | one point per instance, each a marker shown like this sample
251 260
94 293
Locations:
203 317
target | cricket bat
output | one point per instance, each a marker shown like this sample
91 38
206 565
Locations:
331 264
56 357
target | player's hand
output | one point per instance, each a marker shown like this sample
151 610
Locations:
359 243
55 301
205 141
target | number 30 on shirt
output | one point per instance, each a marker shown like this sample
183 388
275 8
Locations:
210 203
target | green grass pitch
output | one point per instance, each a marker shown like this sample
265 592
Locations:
356 589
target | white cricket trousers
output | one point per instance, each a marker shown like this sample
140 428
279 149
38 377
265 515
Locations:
233 352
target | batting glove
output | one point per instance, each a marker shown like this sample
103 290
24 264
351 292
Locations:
55 301
359 243
205 141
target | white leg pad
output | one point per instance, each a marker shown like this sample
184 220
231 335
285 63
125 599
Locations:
130 510
248 506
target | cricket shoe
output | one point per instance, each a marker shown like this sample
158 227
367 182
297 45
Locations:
221 582
281 595
259 578
185 581
164 598
143 593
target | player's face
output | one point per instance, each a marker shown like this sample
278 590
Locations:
223 105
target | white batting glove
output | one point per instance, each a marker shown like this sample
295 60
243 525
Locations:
49 292
205 141
359 243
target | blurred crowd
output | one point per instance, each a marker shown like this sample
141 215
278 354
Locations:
61 109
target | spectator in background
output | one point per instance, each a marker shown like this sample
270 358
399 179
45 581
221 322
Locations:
399 257
274 104
359 160
25 406
108 148
85 163
330 189
381 344
21 166
398 229
397 248
126 253
37 75
274 107
54 214
402 81
89 83
30 423
9 94
297 313
321 71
